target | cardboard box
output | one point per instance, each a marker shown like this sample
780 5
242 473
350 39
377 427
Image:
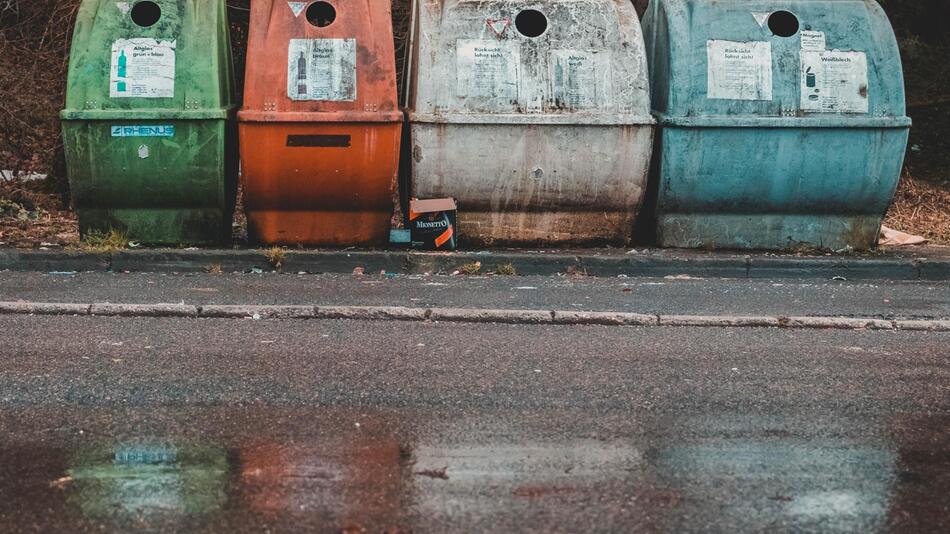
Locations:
432 223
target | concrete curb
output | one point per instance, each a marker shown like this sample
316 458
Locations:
594 262
465 315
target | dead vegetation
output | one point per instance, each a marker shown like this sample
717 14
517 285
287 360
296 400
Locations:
505 269
32 217
922 208
470 269
95 241
276 256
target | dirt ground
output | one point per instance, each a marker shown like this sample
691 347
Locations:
33 218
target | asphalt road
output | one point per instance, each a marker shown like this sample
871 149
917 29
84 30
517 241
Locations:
123 424
885 299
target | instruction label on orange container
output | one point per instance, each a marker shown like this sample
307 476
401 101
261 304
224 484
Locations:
581 78
142 68
487 69
321 69
834 82
739 71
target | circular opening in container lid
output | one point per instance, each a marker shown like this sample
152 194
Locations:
145 13
783 23
531 23
321 14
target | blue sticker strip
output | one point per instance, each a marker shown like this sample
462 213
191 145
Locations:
143 131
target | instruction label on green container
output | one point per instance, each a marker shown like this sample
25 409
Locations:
834 81
142 68
321 69
739 71
581 78
487 68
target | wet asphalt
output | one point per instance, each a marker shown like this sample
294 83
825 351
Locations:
206 425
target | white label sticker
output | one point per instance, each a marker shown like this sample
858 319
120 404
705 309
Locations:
834 82
581 78
142 68
321 69
487 69
761 16
739 71
813 40
297 7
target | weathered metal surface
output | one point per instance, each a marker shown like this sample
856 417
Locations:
320 128
150 146
543 139
762 146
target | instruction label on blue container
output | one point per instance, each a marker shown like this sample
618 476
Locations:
581 78
321 69
142 68
487 68
143 131
834 81
739 71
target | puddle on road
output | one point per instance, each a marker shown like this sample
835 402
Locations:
804 485
144 478
319 471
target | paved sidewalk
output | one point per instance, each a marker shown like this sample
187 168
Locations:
675 295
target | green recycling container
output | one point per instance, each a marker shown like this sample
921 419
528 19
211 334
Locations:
782 122
149 128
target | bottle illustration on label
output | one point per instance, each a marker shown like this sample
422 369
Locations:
302 74
811 82
122 71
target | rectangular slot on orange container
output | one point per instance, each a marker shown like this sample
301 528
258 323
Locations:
330 141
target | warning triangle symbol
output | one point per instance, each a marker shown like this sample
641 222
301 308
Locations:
297 7
761 17
499 26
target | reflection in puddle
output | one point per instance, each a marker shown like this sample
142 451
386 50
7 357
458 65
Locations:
495 473
148 478
761 484
538 462
348 483
505 479
284 479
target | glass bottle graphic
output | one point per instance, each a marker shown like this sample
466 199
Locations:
122 71
302 74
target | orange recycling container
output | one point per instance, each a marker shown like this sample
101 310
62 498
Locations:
320 126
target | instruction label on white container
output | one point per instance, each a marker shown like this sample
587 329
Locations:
581 78
487 69
834 82
739 71
142 68
321 69
812 40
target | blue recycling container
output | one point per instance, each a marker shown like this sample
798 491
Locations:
783 123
